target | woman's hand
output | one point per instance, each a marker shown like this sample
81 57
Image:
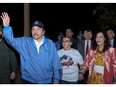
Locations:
81 76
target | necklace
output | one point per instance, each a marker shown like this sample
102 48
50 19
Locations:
99 52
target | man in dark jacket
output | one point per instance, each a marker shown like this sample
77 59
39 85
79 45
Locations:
83 49
8 62
70 33
111 35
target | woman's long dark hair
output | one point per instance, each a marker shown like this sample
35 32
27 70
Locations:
106 45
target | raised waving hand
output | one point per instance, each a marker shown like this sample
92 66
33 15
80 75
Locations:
5 19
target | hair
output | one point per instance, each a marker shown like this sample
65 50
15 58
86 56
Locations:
106 45
70 29
110 28
88 30
70 38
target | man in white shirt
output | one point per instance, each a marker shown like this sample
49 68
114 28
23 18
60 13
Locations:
83 44
82 48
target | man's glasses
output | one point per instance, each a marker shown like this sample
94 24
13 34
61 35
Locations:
66 41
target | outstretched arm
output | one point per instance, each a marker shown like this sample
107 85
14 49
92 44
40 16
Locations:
5 19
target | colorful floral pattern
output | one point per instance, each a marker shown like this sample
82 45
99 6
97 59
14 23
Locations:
109 65
97 78
66 60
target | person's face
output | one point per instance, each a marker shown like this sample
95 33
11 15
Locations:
37 32
110 34
87 35
69 32
100 39
66 43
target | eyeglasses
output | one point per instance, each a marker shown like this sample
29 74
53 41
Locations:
66 41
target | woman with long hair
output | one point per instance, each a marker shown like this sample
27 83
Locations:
100 61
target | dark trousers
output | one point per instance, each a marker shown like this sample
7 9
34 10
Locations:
86 77
27 82
5 81
84 81
67 82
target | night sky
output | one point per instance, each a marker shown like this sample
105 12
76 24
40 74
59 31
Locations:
56 17
59 16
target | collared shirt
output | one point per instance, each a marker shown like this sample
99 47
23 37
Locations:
89 43
38 44
111 42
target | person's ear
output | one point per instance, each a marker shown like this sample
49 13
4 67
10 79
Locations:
43 32
70 43
113 34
